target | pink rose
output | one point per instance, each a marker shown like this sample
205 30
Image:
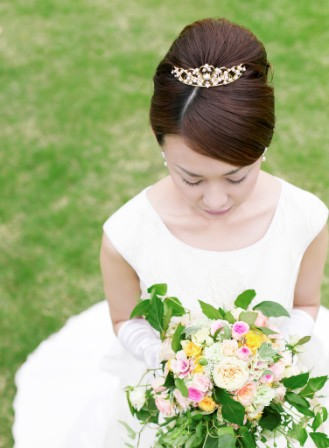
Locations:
261 320
181 400
278 370
246 394
201 382
244 352
157 384
164 406
267 378
239 329
216 325
181 366
195 394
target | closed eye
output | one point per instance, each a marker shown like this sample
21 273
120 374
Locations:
229 180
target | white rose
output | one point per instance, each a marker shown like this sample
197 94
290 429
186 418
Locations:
229 347
264 396
137 397
230 373
201 336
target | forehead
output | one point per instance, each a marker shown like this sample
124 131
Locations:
182 156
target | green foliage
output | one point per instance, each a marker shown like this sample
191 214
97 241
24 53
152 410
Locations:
210 311
245 298
232 410
175 344
296 381
299 433
271 309
248 316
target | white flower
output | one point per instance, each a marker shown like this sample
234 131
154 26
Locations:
230 373
166 351
137 397
213 353
229 347
201 336
264 396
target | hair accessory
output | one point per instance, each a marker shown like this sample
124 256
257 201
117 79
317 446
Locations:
208 75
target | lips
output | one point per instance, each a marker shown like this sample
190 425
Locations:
219 212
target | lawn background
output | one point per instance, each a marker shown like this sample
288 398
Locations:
76 83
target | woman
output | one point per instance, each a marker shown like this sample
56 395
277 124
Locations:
216 225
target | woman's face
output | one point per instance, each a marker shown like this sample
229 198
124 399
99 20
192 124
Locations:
207 185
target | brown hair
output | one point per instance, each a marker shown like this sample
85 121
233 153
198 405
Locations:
232 123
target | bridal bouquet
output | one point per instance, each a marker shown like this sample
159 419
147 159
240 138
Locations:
228 378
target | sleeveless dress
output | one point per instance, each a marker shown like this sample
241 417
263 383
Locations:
70 389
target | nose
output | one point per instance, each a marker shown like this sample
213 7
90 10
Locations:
215 199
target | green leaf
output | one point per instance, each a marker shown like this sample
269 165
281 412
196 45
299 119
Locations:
245 298
302 341
131 432
296 381
222 312
210 311
175 343
313 385
248 316
266 352
271 309
304 411
227 332
320 439
266 330
295 399
158 288
317 421
140 309
247 437
155 313
232 410
175 305
229 317
167 315
299 433
181 386
211 442
270 419
170 381
226 441
324 413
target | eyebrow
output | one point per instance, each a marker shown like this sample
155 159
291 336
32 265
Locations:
198 175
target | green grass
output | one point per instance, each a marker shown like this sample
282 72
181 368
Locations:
76 82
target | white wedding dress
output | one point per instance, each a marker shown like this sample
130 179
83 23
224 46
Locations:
70 389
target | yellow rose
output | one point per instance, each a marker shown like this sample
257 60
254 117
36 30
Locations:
254 339
207 404
199 368
191 349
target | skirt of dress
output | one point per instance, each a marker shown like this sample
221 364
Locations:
70 390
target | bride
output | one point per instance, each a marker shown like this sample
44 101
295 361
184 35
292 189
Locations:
216 225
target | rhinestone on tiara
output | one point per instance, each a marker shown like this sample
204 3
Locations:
208 75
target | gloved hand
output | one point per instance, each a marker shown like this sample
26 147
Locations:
141 339
300 324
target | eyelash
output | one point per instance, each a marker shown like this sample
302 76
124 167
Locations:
197 183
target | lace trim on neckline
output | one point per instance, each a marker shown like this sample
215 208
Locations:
181 243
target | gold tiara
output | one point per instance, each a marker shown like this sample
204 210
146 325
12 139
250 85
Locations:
208 75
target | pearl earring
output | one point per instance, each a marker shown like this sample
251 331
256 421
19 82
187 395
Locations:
264 157
164 158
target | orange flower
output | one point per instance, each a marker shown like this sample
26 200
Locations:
207 404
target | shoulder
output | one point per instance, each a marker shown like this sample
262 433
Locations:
125 223
307 210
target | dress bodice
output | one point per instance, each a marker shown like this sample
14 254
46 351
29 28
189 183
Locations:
270 265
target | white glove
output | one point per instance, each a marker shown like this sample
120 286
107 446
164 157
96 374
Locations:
139 338
300 324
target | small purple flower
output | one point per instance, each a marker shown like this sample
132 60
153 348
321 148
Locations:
244 352
239 329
